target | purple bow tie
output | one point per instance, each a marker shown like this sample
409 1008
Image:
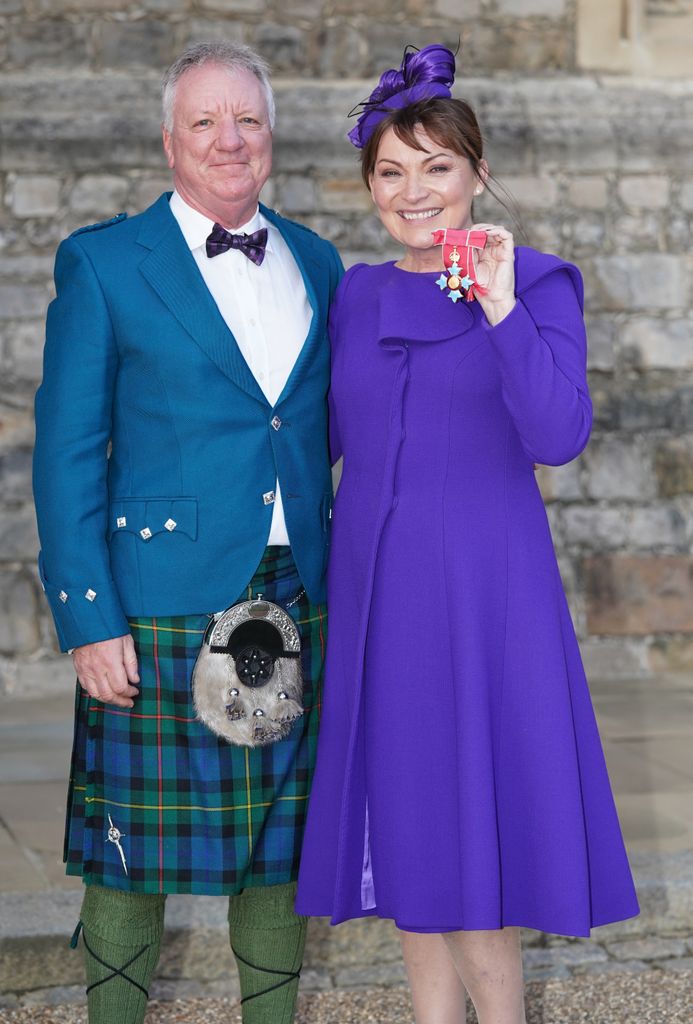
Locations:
219 240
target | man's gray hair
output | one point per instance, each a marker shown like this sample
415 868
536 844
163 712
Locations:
233 56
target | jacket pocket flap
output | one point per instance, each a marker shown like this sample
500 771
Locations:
148 517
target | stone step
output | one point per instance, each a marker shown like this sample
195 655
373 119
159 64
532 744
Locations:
35 930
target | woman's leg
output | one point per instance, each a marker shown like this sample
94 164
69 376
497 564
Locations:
436 990
490 966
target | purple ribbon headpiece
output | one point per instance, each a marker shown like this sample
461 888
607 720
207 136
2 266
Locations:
423 75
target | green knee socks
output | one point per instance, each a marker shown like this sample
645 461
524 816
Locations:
267 939
122 938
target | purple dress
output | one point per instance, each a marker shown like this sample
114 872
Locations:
460 779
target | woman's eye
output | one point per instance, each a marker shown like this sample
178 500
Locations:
440 168
390 173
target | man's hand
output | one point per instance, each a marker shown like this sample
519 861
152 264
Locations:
107 669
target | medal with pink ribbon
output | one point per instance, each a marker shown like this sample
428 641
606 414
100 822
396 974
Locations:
459 276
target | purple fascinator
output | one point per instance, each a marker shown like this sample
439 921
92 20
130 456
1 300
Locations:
425 74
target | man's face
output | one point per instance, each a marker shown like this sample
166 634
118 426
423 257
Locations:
220 149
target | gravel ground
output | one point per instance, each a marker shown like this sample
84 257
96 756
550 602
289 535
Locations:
651 998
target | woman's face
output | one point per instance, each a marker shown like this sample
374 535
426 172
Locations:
417 191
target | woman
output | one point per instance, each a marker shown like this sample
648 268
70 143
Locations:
461 789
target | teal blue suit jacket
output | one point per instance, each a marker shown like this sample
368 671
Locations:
156 452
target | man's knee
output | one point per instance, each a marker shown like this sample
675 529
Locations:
117 915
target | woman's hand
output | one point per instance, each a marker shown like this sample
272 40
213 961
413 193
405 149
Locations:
495 271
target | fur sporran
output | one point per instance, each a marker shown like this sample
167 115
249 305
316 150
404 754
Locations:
247 684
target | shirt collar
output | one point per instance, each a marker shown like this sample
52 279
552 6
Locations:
196 227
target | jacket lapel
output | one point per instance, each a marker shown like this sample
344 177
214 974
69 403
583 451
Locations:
315 275
170 269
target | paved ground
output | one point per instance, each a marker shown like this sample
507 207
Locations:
639 971
620 999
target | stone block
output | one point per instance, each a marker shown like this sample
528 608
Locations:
686 196
612 967
345 195
230 7
655 526
593 527
651 343
641 281
33 678
532 192
673 463
35 195
147 189
617 468
653 948
297 194
671 654
601 343
284 46
58 7
16 424
18 536
99 195
26 267
472 8
18 613
645 191
544 234
568 955
637 232
15 475
683 965
588 233
49 43
639 408
560 483
527 8
149 44
639 594
24 341
198 29
22 301
678 234
343 52
615 658
590 192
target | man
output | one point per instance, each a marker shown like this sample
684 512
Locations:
181 465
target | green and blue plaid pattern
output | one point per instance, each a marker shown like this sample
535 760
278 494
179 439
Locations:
194 813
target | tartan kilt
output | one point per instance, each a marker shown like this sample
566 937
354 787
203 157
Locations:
195 813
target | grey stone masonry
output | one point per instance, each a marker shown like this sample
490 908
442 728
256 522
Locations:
598 169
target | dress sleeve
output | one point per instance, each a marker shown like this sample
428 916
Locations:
542 353
73 427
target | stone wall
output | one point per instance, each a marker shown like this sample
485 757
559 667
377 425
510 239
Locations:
600 168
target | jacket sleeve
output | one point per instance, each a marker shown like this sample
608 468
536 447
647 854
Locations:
73 427
542 353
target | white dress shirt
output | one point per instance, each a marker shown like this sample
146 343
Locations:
266 309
